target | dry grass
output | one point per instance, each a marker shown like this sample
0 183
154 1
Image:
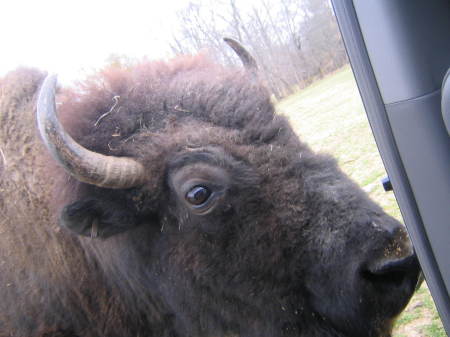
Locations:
329 115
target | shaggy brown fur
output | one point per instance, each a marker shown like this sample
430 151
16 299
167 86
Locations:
287 248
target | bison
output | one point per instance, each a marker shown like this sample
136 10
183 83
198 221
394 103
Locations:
171 200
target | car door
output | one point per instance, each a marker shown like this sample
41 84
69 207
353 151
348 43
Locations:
400 53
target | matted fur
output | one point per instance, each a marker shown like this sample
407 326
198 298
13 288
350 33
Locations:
280 255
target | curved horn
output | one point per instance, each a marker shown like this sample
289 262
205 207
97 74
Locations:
246 58
84 165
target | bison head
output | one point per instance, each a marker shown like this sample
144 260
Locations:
212 217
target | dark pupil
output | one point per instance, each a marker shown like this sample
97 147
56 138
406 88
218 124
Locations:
198 195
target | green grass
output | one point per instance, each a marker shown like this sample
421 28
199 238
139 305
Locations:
330 117
434 329
407 317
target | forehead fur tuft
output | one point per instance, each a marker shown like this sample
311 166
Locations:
122 101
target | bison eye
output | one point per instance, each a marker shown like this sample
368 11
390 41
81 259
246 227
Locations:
198 195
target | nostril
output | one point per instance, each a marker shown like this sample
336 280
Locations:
405 264
391 278
392 273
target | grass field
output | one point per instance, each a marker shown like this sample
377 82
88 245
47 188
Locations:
329 115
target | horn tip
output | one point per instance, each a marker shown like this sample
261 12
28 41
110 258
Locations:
48 85
51 78
230 41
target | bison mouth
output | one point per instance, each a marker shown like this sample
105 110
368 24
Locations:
394 280
365 302
390 286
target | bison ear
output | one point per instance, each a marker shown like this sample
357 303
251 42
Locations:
97 218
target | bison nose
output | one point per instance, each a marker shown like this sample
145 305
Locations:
394 273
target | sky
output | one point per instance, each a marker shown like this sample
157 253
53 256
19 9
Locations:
72 38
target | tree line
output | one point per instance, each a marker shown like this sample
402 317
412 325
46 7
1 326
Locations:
293 41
